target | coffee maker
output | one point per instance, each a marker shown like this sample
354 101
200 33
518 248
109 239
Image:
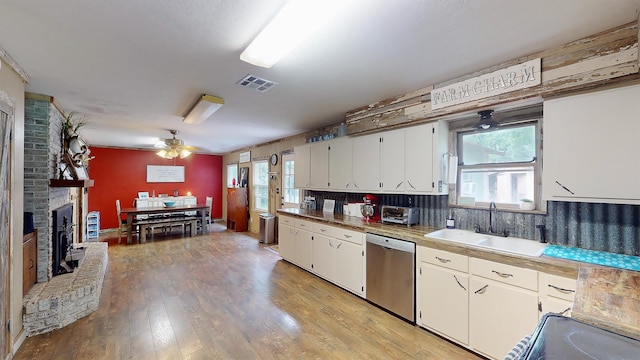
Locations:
370 209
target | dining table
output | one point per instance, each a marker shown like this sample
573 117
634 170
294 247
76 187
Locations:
167 211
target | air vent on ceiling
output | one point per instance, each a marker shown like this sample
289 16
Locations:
256 83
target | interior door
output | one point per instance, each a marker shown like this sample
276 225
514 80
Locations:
5 130
290 196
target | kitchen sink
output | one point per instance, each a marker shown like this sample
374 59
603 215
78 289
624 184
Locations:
505 244
461 236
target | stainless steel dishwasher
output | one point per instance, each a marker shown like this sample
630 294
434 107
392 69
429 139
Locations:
391 275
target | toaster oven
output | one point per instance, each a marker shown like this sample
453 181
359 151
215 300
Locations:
400 215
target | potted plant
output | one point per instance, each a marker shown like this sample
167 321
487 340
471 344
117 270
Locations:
72 124
527 204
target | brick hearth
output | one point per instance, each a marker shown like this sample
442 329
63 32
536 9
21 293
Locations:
66 298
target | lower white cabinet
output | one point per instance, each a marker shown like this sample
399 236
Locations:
285 240
333 253
500 315
303 243
486 306
442 292
556 294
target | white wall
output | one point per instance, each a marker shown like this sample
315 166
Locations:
12 86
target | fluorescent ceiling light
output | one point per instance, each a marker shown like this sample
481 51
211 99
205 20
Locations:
295 22
206 105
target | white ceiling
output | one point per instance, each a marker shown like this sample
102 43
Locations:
135 67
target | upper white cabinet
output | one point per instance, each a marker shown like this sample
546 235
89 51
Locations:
311 166
340 164
366 162
591 147
319 169
425 146
408 160
302 162
392 161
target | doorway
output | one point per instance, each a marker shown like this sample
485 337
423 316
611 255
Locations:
290 197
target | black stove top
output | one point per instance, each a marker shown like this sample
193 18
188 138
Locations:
559 337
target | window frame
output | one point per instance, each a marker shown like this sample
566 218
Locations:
229 180
286 158
254 184
536 163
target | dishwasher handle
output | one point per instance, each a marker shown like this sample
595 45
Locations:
391 243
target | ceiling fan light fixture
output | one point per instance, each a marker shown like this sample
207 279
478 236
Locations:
486 122
174 148
295 22
204 107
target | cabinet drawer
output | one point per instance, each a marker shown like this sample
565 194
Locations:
507 274
349 235
286 220
303 224
444 258
557 286
323 229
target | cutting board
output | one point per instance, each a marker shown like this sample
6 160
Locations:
609 298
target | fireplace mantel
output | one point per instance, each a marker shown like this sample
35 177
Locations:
70 183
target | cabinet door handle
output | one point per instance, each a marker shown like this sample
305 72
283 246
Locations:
347 186
561 289
31 262
565 188
443 260
330 244
409 182
323 230
481 290
348 236
338 247
397 186
501 274
458 281
565 311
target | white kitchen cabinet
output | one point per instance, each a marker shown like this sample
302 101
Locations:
323 256
425 147
303 244
302 161
340 164
350 261
591 147
319 165
366 163
286 243
556 294
312 166
503 306
442 292
392 165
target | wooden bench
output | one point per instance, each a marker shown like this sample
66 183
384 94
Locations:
149 225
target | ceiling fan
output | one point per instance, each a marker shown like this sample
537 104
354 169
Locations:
172 148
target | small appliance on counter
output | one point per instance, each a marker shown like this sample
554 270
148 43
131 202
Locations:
400 215
370 208
309 203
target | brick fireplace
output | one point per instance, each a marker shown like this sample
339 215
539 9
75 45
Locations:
55 301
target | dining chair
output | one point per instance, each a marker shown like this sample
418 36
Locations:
122 223
207 214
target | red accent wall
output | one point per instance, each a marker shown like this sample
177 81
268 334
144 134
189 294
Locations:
122 173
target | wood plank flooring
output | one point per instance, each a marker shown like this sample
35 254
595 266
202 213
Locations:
225 296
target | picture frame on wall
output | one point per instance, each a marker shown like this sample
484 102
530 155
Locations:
244 177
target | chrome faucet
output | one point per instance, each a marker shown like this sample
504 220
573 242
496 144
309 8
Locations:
492 209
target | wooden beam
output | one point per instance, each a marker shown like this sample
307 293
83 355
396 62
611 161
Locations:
606 57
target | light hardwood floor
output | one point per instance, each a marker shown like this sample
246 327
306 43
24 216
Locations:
225 296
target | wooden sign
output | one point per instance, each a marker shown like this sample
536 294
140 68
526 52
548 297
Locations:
512 78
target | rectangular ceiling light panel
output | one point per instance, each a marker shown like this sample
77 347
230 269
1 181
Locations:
295 22
205 107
